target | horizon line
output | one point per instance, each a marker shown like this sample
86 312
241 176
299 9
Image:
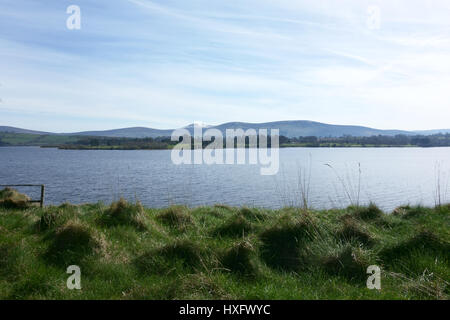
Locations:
215 125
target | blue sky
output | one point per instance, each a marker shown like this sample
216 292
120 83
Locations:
165 64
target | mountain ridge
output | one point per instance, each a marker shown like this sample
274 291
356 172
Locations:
288 128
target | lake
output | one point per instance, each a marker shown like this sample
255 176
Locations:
387 176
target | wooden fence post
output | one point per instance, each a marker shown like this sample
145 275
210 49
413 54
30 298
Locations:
42 195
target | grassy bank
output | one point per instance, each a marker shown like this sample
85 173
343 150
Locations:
126 251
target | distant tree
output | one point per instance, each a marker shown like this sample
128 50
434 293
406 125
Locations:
422 141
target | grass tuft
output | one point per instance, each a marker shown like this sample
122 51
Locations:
195 287
282 242
124 213
54 217
425 241
408 212
223 206
235 226
176 216
12 199
418 255
352 231
350 263
241 259
71 244
253 214
400 211
371 212
172 258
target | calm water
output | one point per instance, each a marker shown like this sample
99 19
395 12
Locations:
389 177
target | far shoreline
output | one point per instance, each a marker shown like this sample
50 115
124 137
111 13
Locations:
281 147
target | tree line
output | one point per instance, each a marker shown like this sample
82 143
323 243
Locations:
436 140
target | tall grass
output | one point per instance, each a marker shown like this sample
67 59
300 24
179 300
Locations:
441 185
304 184
351 191
296 194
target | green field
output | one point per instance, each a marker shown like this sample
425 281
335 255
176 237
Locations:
126 251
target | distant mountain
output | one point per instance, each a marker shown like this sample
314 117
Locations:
135 132
7 129
295 128
436 131
287 128
303 128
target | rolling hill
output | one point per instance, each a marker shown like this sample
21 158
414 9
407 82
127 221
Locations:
134 132
289 129
300 128
6 129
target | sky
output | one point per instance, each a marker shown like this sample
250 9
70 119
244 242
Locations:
165 64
